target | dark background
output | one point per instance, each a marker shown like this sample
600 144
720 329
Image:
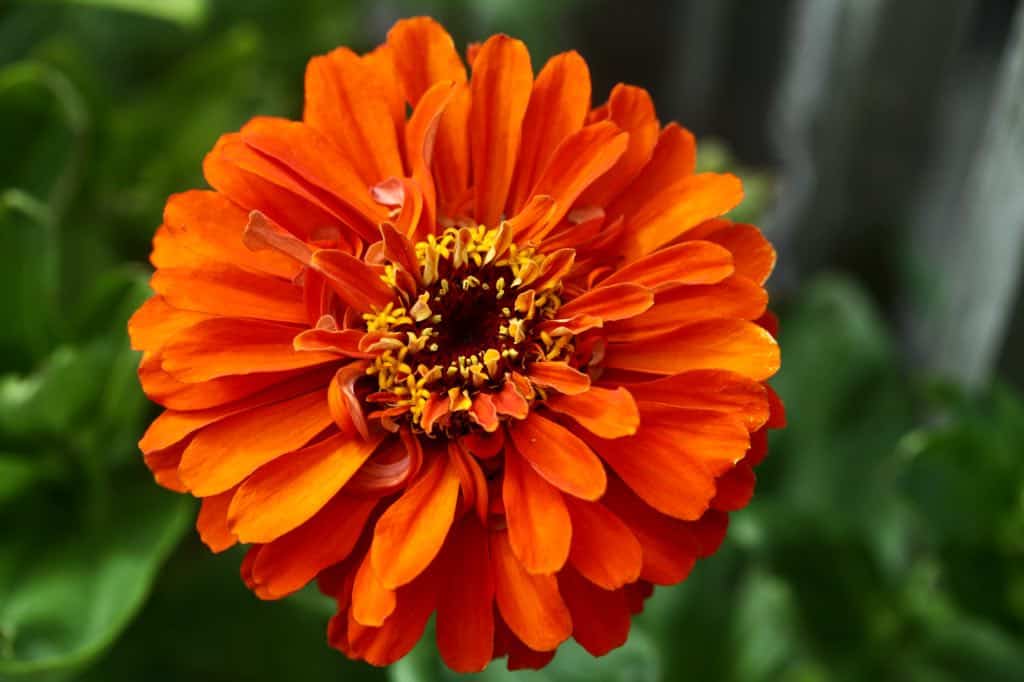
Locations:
882 147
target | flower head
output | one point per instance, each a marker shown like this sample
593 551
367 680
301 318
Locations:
499 359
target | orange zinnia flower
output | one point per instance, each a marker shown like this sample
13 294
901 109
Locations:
498 359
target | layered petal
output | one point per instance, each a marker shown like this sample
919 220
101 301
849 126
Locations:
539 529
222 455
350 107
735 345
292 488
501 84
558 106
465 609
530 604
410 533
560 457
683 452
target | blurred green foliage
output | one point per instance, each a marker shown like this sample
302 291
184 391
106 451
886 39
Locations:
886 540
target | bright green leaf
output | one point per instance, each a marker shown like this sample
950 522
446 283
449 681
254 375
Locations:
66 591
185 12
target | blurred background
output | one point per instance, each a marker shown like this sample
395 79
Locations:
882 146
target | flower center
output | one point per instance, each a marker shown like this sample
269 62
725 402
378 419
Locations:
466 327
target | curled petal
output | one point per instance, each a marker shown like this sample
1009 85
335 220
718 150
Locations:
559 376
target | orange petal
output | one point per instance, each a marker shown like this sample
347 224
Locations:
527 220
211 227
559 376
353 280
555 266
683 452
522 657
465 609
156 322
576 324
164 389
255 182
509 401
173 426
777 417
483 446
576 163
164 466
400 632
292 488
341 341
502 79
734 345
451 159
753 254
735 488
530 604
735 297
287 564
709 531
228 291
346 103
600 618
595 531
475 492
380 63
696 262
559 456
538 521
674 158
758 447
421 136
342 401
484 412
670 547
710 390
212 523
604 412
222 346
558 107
409 534
223 454
334 179
678 208
631 109
372 603
411 218
263 234
399 249
615 302
437 407
424 54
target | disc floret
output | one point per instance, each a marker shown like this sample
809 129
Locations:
467 328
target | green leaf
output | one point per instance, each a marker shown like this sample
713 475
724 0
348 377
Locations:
188 13
767 633
19 473
48 402
202 623
65 598
835 463
28 280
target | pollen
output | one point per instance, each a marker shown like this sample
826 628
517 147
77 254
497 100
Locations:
474 292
